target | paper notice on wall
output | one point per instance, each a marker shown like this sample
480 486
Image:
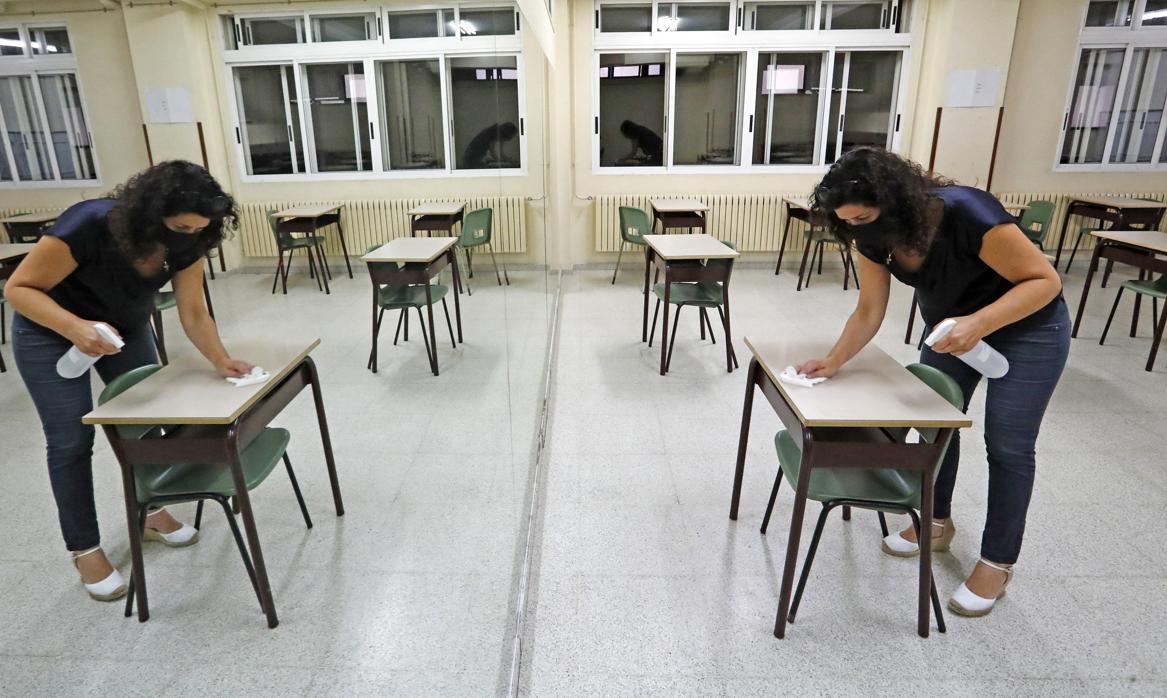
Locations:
169 105
973 88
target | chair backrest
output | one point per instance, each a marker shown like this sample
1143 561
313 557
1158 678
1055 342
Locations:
944 385
724 264
281 238
119 385
1035 220
634 225
476 227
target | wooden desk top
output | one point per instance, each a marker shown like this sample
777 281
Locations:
678 205
1147 239
12 252
41 217
699 246
308 211
188 391
801 202
424 250
1119 202
872 390
438 208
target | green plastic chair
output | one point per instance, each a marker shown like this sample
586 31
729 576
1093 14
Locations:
878 489
313 246
634 225
477 229
702 295
403 297
197 482
1157 290
163 300
1036 221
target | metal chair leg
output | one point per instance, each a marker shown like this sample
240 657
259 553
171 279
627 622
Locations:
939 613
376 334
449 325
296 489
130 587
806 248
728 340
426 337
1077 241
400 318
490 249
814 544
652 330
199 515
673 339
241 546
882 523
618 257
1110 318
279 269
770 505
159 337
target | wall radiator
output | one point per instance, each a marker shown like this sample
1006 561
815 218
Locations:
755 223
373 222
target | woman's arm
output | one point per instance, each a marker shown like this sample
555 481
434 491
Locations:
198 324
49 262
864 322
1035 283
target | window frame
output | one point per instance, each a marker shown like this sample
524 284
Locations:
1129 39
35 66
370 54
749 44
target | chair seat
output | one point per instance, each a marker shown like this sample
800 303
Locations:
707 295
412 296
295 243
164 300
1154 288
257 460
875 484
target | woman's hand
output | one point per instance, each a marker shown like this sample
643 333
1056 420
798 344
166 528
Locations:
962 337
233 368
85 337
818 368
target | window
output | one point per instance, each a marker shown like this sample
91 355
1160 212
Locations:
46 132
692 17
780 16
631 123
1114 110
706 109
854 15
425 90
787 108
863 97
625 18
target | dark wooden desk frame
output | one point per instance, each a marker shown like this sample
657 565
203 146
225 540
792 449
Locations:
678 271
687 220
430 223
839 447
1140 257
27 232
387 272
1119 218
219 444
793 213
309 225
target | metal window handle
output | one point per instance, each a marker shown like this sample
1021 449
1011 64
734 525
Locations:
238 138
1143 121
751 127
290 139
372 134
883 17
842 117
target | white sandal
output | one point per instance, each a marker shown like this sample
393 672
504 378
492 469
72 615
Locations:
111 588
966 603
187 535
897 545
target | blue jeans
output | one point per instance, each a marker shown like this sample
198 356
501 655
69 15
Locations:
61 403
1014 408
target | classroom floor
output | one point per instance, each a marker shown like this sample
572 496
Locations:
608 551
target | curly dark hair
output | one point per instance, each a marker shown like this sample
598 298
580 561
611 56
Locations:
898 187
168 189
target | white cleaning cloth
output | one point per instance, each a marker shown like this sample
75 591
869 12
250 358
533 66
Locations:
257 375
791 377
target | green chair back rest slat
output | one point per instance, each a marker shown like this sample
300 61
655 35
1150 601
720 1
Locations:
476 228
119 385
944 385
283 239
634 225
1035 220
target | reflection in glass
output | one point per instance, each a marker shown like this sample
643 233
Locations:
492 21
272 30
1109 13
854 15
1154 14
68 131
422 25
25 132
787 108
339 117
1141 109
626 18
692 17
411 121
707 107
484 96
785 16
344 27
269 119
10 42
49 41
1092 105
866 80
632 109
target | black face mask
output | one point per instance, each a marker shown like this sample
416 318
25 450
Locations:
873 234
177 243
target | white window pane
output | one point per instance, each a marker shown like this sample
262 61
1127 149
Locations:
68 131
49 41
340 116
786 16
1091 105
269 119
25 133
705 132
484 96
787 108
421 25
1141 108
632 109
626 18
10 42
1109 13
273 30
854 15
411 115
344 27
870 90
1155 14
494 21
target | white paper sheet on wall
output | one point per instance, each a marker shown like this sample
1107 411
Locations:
973 88
169 105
